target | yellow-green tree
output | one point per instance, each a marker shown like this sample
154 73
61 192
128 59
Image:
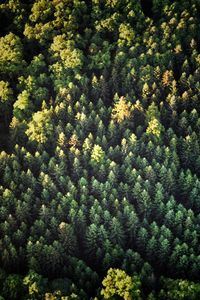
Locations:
6 98
23 107
97 153
40 128
154 127
180 289
11 55
117 282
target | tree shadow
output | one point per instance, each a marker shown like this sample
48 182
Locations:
147 8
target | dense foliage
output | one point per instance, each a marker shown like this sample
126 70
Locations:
100 149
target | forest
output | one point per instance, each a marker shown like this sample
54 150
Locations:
99 149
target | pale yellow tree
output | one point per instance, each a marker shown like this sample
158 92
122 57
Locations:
121 110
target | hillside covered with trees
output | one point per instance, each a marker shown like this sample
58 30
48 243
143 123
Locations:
99 149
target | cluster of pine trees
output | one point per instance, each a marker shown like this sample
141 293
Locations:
100 149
